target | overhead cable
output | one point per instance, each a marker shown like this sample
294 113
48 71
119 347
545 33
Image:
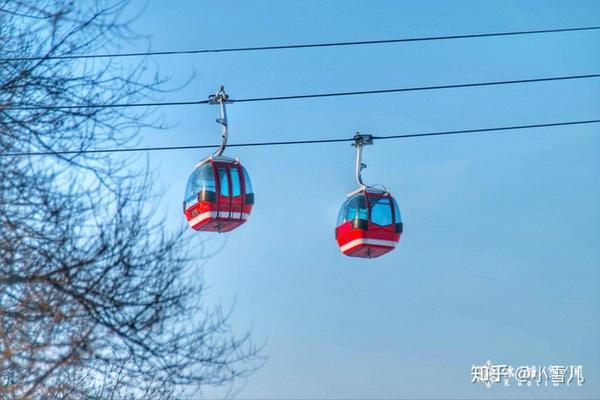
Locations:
298 96
296 46
301 142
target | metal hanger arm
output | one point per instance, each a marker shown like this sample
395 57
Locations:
221 98
359 141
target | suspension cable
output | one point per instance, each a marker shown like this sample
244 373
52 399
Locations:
297 46
300 142
300 96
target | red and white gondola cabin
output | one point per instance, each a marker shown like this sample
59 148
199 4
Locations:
218 196
369 223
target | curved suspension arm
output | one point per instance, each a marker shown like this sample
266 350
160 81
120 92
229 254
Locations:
359 142
221 98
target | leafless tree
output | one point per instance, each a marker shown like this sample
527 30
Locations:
96 299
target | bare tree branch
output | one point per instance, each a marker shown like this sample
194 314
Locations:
97 300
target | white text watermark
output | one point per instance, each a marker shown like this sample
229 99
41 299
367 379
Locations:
527 375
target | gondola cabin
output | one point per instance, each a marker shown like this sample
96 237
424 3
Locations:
218 196
369 223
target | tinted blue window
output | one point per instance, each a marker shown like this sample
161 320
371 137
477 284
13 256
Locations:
397 215
381 211
342 213
247 181
223 181
356 208
201 179
235 182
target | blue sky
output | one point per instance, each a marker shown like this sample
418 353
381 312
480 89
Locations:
500 257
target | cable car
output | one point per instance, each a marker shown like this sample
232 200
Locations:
218 196
369 222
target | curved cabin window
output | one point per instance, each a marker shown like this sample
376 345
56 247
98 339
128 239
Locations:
247 181
397 215
235 182
381 211
356 208
223 181
201 180
342 214
248 185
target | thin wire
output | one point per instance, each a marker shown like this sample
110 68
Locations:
416 88
299 142
298 46
303 96
484 130
110 105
